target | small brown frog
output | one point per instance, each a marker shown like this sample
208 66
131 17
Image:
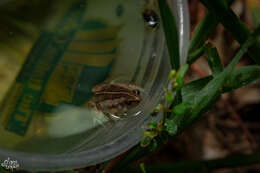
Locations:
114 99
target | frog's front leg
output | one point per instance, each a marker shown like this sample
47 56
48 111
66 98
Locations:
99 108
111 116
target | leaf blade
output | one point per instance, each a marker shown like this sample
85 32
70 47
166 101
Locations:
233 24
171 33
212 90
213 59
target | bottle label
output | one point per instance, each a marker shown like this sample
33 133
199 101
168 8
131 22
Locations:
62 67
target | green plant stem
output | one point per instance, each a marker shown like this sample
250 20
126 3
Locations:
194 55
207 25
199 165
172 39
233 24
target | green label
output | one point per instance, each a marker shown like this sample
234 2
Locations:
63 67
37 69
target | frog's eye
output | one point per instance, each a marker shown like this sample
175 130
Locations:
136 91
128 102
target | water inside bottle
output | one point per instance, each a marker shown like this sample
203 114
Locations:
52 54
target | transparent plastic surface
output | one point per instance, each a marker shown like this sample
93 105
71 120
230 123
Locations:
66 138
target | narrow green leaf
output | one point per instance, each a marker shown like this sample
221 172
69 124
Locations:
202 33
239 78
207 25
242 77
190 90
213 59
181 109
172 39
233 24
212 90
171 33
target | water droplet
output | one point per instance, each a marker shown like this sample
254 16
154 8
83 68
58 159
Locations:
151 18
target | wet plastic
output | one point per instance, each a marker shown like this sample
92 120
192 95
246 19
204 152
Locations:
123 135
